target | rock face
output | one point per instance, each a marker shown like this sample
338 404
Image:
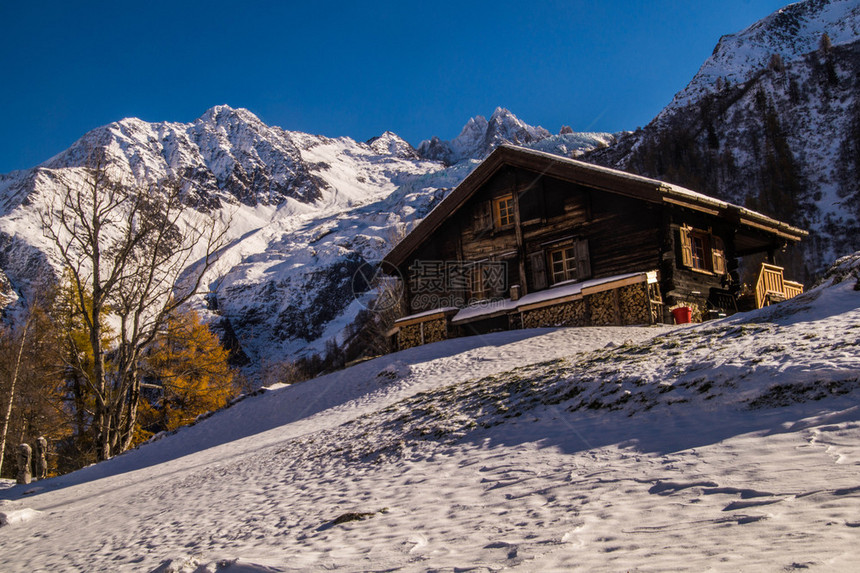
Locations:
226 152
789 33
772 121
480 137
306 212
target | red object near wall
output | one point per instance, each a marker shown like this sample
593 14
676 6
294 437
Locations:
682 314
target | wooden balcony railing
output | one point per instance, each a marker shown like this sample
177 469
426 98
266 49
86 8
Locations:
772 287
792 289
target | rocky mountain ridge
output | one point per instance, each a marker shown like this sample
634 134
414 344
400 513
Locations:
480 136
789 33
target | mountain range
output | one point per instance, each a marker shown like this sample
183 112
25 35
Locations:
771 121
306 211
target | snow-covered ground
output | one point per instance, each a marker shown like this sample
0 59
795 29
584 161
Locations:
732 445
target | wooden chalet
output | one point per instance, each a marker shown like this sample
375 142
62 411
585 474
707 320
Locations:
532 239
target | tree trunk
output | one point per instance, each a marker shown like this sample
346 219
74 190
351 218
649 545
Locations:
14 381
103 435
131 417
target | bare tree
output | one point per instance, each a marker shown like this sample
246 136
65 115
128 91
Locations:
133 254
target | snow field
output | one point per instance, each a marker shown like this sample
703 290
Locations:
727 446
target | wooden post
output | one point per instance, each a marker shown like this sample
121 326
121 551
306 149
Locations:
24 455
40 461
518 230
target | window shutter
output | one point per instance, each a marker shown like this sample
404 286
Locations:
583 262
537 261
718 255
476 280
483 216
686 246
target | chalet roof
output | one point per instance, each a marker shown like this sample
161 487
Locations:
594 176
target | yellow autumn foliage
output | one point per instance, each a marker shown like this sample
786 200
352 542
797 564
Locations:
186 374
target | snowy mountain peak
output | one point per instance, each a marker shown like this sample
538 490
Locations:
505 127
226 115
789 33
389 143
474 128
502 116
479 137
228 154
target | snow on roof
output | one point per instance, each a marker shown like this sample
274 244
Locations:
572 289
485 309
426 313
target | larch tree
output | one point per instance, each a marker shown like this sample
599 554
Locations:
134 254
186 373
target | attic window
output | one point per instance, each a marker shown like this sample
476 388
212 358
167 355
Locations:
503 209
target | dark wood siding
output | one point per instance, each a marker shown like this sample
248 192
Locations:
624 235
620 234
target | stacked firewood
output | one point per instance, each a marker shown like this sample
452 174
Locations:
604 308
409 336
634 304
435 330
565 314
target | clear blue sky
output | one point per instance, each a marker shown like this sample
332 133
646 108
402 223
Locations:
348 68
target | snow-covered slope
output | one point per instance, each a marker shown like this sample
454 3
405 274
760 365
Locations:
732 445
791 32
